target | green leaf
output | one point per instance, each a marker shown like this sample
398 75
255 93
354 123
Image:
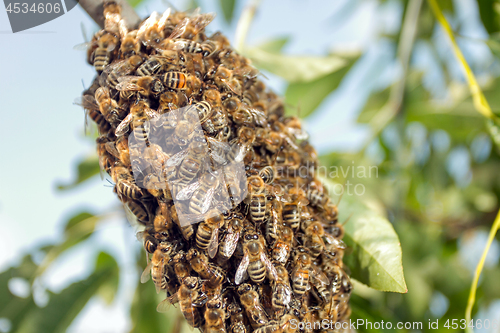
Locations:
134 3
307 96
79 228
374 103
65 306
227 7
376 258
274 45
488 10
12 307
295 68
86 169
494 129
145 318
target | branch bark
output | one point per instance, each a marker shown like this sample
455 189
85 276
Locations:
94 9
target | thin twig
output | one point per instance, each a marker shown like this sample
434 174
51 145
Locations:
94 9
244 23
405 48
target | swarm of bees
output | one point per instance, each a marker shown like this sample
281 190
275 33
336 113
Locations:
266 259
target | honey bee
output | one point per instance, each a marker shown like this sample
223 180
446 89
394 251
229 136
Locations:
213 274
106 160
145 86
149 241
249 116
91 109
282 293
334 249
157 266
130 45
229 59
190 162
182 269
125 186
215 315
112 16
292 209
249 298
207 235
209 47
316 195
237 318
138 116
230 241
181 81
119 150
150 33
282 247
159 62
196 24
112 73
108 106
171 100
314 233
138 211
301 273
189 297
255 260
218 123
321 282
104 52
257 199
241 145
203 196
225 79
268 174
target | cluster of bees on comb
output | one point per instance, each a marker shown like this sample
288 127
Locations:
267 259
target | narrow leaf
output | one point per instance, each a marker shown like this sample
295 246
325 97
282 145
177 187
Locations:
86 169
227 7
488 10
295 68
376 258
307 96
79 228
274 45
479 269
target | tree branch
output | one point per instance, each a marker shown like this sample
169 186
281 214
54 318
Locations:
94 9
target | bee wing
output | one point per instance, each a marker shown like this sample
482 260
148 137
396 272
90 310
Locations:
164 305
140 236
319 276
87 102
122 128
163 20
82 46
193 218
299 134
152 114
177 158
146 273
303 202
208 200
260 118
131 218
290 141
111 148
127 83
187 192
179 29
213 246
218 144
270 267
242 268
201 21
179 44
150 21
231 242
232 87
